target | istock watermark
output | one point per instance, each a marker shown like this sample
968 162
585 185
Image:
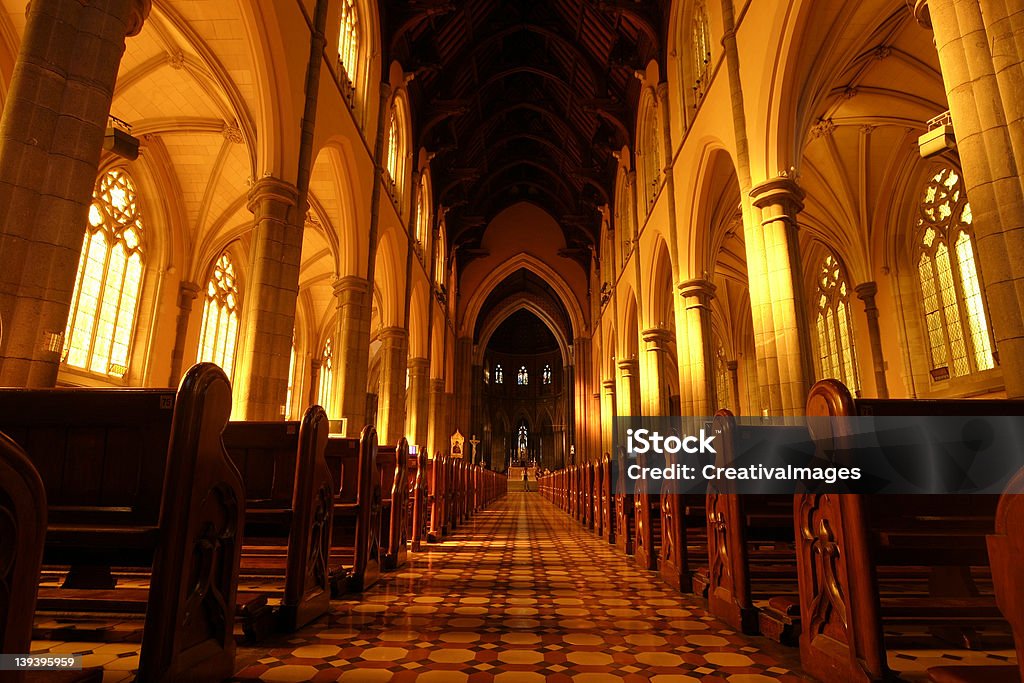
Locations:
865 454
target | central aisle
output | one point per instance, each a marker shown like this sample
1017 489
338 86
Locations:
520 594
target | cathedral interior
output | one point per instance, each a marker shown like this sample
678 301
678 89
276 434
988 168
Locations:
316 317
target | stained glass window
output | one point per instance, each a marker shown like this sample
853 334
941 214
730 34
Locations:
348 42
701 54
651 156
545 376
325 392
422 213
220 316
441 266
105 302
396 151
291 384
954 311
834 324
522 377
499 376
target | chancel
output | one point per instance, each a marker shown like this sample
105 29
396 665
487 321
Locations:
264 264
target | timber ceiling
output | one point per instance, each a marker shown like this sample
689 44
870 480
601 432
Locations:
524 100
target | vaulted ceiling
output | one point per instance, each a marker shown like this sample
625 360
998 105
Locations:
523 100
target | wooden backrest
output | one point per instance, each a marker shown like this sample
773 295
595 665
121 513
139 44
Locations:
22 532
191 614
101 453
343 458
1006 555
392 464
265 455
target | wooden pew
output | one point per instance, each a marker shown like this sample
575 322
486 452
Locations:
597 518
140 478
22 536
647 517
625 506
438 499
355 532
751 556
609 474
843 539
289 507
419 495
392 468
1006 554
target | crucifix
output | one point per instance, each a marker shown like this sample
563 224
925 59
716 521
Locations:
473 442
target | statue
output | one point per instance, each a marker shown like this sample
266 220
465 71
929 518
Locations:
473 442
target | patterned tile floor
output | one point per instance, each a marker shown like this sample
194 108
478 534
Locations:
520 594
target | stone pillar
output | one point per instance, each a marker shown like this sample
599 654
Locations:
314 382
268 309
352 350
394 352
656 394
51 136
608 411
696 356
992 174
734 381
416 410
462 411
435 427
629 388
187 293
782 340
866 292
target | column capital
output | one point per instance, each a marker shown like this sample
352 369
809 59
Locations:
137 14
270 189
349 283
418 364
393 334
629 365
698 288
866 290
187 293
437 385
782 191
658 336
315 363
609 385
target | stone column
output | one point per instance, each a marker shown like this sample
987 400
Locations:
696 356
268 306
352 350
629 388
866 292
656 393
992 174
435 425
51 135
314 381
394 352
187 293
462 411
416 410
784 343
608 411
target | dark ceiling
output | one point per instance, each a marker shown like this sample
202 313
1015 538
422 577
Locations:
523 100
523 333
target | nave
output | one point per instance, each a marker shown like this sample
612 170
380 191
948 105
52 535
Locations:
520 593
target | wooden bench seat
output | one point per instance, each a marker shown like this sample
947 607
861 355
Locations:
118 465
354 563
289 508
625 506
22 534
392 469
843 540
419 494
